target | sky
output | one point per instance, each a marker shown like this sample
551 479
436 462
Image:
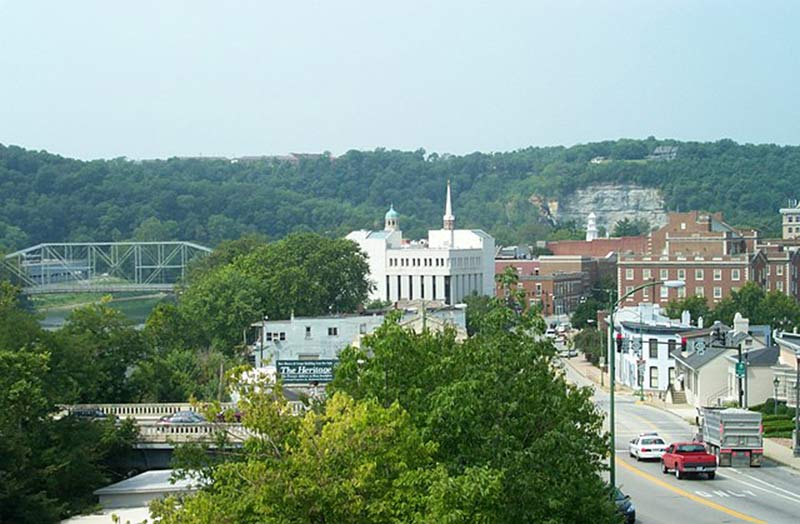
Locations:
148 79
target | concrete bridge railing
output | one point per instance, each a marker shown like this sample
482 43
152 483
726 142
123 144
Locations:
154 411
180 433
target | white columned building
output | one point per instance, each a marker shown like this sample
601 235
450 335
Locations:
447 266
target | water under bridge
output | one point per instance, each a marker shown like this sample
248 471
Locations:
102 267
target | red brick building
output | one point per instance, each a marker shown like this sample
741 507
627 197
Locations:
712 257
557 284
783 268
600 247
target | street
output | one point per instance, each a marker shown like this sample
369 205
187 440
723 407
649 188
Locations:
767 494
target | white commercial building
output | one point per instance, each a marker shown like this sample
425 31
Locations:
447 267
650 340
323 338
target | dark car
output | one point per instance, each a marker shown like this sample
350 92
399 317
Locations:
89 414
182 417
625 506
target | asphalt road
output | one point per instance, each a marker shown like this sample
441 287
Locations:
757 495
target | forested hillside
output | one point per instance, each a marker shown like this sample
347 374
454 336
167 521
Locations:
46 197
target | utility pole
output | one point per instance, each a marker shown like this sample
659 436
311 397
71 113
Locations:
739 377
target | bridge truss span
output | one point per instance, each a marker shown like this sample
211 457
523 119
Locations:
83 267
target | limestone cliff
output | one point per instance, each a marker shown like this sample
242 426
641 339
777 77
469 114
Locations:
611 203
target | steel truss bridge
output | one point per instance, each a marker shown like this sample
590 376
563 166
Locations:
101 267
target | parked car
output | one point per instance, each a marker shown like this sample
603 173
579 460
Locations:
550 333
182 417
647 446
624 506
90 414
688 458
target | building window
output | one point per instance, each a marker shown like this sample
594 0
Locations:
362 329
647 274
681 274
699 291
653 342
671 346
308 331
538 289
333 331
629 289
663 274
683 225
717 292
682 292
629 274
736 274
664 290
282 335
653 378
268 337
779 270
779 285
699 274
717 274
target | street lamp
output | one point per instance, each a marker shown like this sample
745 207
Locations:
775 382
612 358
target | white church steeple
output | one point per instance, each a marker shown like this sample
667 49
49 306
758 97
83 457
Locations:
591 227
449 218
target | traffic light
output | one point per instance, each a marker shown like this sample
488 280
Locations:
683 344
619 342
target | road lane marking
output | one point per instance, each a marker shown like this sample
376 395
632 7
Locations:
793 498
762 481
690 496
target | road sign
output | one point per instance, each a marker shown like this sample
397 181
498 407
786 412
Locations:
740 370
700 347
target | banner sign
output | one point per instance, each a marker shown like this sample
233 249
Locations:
305 371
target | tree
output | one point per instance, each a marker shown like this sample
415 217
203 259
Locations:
448 388
49 466
304 274
353 462
592 342
100 353
695 305
586 311
631 228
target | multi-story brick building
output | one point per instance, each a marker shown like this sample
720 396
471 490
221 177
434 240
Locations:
710 256
557 284
783 268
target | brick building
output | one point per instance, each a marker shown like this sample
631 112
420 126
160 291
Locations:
557 284
599 247
699 248
783 268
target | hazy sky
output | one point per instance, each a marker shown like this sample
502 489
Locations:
160 78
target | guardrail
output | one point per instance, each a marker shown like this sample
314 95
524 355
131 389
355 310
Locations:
180 433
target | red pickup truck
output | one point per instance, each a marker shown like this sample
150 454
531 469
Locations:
685 458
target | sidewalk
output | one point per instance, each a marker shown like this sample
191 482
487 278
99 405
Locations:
777 450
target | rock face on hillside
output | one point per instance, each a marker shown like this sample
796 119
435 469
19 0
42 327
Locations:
612 203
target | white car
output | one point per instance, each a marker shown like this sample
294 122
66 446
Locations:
550 333
647 446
